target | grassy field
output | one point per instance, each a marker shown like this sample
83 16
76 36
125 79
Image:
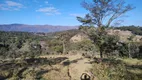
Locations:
118 69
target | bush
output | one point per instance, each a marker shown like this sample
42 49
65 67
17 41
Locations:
112 69
109 72
85 45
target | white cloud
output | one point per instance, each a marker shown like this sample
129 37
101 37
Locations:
49 10
76 14
10 5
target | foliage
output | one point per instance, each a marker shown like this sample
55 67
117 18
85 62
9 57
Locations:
55 46
102 9
123 50
106 44
110 44
139 55
35 49
85 45
99 10
12 42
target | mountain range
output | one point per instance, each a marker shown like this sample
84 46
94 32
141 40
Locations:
34 28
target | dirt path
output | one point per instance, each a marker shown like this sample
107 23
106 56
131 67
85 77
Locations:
78 65
81 65
76 69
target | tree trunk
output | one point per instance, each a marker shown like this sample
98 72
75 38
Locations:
129 51
101 54
64 48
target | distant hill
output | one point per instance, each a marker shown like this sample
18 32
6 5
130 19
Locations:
34 28
137 30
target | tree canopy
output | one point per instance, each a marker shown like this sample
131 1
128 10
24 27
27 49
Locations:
104 12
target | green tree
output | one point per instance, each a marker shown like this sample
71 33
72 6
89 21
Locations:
99 11
35 49
130 41
102 9
132 46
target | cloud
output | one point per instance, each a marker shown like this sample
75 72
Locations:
49 10
10 5
76 14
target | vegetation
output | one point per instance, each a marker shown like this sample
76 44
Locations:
20 56
98 12
118 69
109 45
26 55
137 30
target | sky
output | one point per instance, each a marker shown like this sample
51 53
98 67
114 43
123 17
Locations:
55 12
